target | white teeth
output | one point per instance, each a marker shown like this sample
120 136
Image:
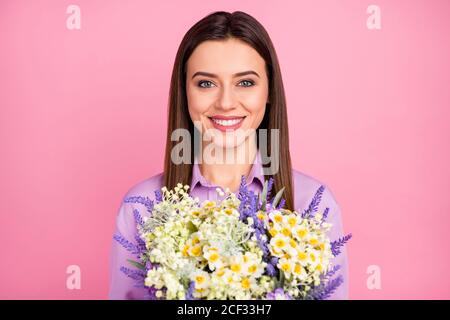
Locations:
227 122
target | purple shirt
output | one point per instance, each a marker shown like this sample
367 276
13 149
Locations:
122 287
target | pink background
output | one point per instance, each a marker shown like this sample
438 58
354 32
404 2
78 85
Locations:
83 118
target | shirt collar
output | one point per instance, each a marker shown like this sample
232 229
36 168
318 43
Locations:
256 173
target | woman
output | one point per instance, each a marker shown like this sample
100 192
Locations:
227 89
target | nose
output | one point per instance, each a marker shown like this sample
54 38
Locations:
227 99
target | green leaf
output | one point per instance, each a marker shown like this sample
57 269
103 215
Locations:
191 227
281 279
277 198
136 264
263 195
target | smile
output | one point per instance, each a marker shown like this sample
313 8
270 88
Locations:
223 123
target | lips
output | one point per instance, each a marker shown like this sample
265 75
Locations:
226 122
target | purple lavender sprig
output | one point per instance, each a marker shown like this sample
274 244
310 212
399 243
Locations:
248 201
313 206
282 203
138 275
330 272
326 289
138 218
191 288
141 200
325 214
336 245
327 285
129 246
158 196
140 243
269 187
248 208
271 267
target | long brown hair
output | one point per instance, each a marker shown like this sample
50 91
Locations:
222 25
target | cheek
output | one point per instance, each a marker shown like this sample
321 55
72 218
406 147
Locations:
258 115
255 100
256 106
197 104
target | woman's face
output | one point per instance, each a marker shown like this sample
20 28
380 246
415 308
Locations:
227 90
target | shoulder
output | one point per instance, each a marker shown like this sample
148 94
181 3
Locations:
147 187
306 187
138 200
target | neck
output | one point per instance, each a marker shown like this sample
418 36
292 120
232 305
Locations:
224 167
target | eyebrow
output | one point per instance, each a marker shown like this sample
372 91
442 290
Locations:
212 75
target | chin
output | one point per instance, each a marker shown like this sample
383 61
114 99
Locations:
228 140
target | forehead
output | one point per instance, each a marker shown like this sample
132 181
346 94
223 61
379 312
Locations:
225 57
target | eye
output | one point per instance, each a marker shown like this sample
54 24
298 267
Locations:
248 83
207 82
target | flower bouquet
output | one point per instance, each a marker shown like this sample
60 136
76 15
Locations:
245 246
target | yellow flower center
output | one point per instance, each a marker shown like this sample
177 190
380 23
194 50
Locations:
280 243
213 257
292 221
199 279
302 233
196 251
210 204
285 267
286 232
293 243
185 250
220 272
236 267
252 268
245 283
301 256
